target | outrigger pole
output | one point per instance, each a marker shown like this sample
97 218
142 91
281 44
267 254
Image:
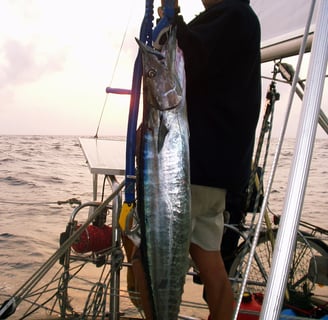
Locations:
287 232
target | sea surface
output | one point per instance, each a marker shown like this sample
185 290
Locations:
38 172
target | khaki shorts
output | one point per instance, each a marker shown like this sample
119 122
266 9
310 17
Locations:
207 207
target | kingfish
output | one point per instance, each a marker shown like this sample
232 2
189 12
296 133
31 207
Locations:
164 177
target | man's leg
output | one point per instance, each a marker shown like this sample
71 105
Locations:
136 278
235 205
214 277
141 284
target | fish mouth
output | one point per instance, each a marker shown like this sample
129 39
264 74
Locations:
145 48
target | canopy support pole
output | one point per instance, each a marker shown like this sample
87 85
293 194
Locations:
287 233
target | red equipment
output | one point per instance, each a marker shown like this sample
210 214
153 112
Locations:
94 239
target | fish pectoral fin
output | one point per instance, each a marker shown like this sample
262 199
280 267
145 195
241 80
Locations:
162 132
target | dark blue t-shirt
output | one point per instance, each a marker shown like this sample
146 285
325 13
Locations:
222 59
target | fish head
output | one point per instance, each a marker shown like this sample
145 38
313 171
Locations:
160 75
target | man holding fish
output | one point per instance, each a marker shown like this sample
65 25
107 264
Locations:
221 49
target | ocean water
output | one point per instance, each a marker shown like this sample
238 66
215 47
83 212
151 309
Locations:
35 173
38 171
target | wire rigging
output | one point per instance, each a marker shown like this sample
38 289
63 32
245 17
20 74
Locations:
114 71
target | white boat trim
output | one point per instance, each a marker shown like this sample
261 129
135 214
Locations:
286 46
297 181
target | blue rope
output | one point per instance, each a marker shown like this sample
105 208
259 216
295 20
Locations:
169 13
130 173
146 36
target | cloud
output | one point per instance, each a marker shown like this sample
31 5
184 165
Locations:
22 64
27 50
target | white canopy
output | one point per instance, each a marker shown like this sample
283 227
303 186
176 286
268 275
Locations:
282 24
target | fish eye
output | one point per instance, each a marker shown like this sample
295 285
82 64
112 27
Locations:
151 73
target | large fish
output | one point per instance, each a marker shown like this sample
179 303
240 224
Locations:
164 182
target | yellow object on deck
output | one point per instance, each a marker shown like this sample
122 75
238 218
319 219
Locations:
125 212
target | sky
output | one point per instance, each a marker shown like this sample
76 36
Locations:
58 56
